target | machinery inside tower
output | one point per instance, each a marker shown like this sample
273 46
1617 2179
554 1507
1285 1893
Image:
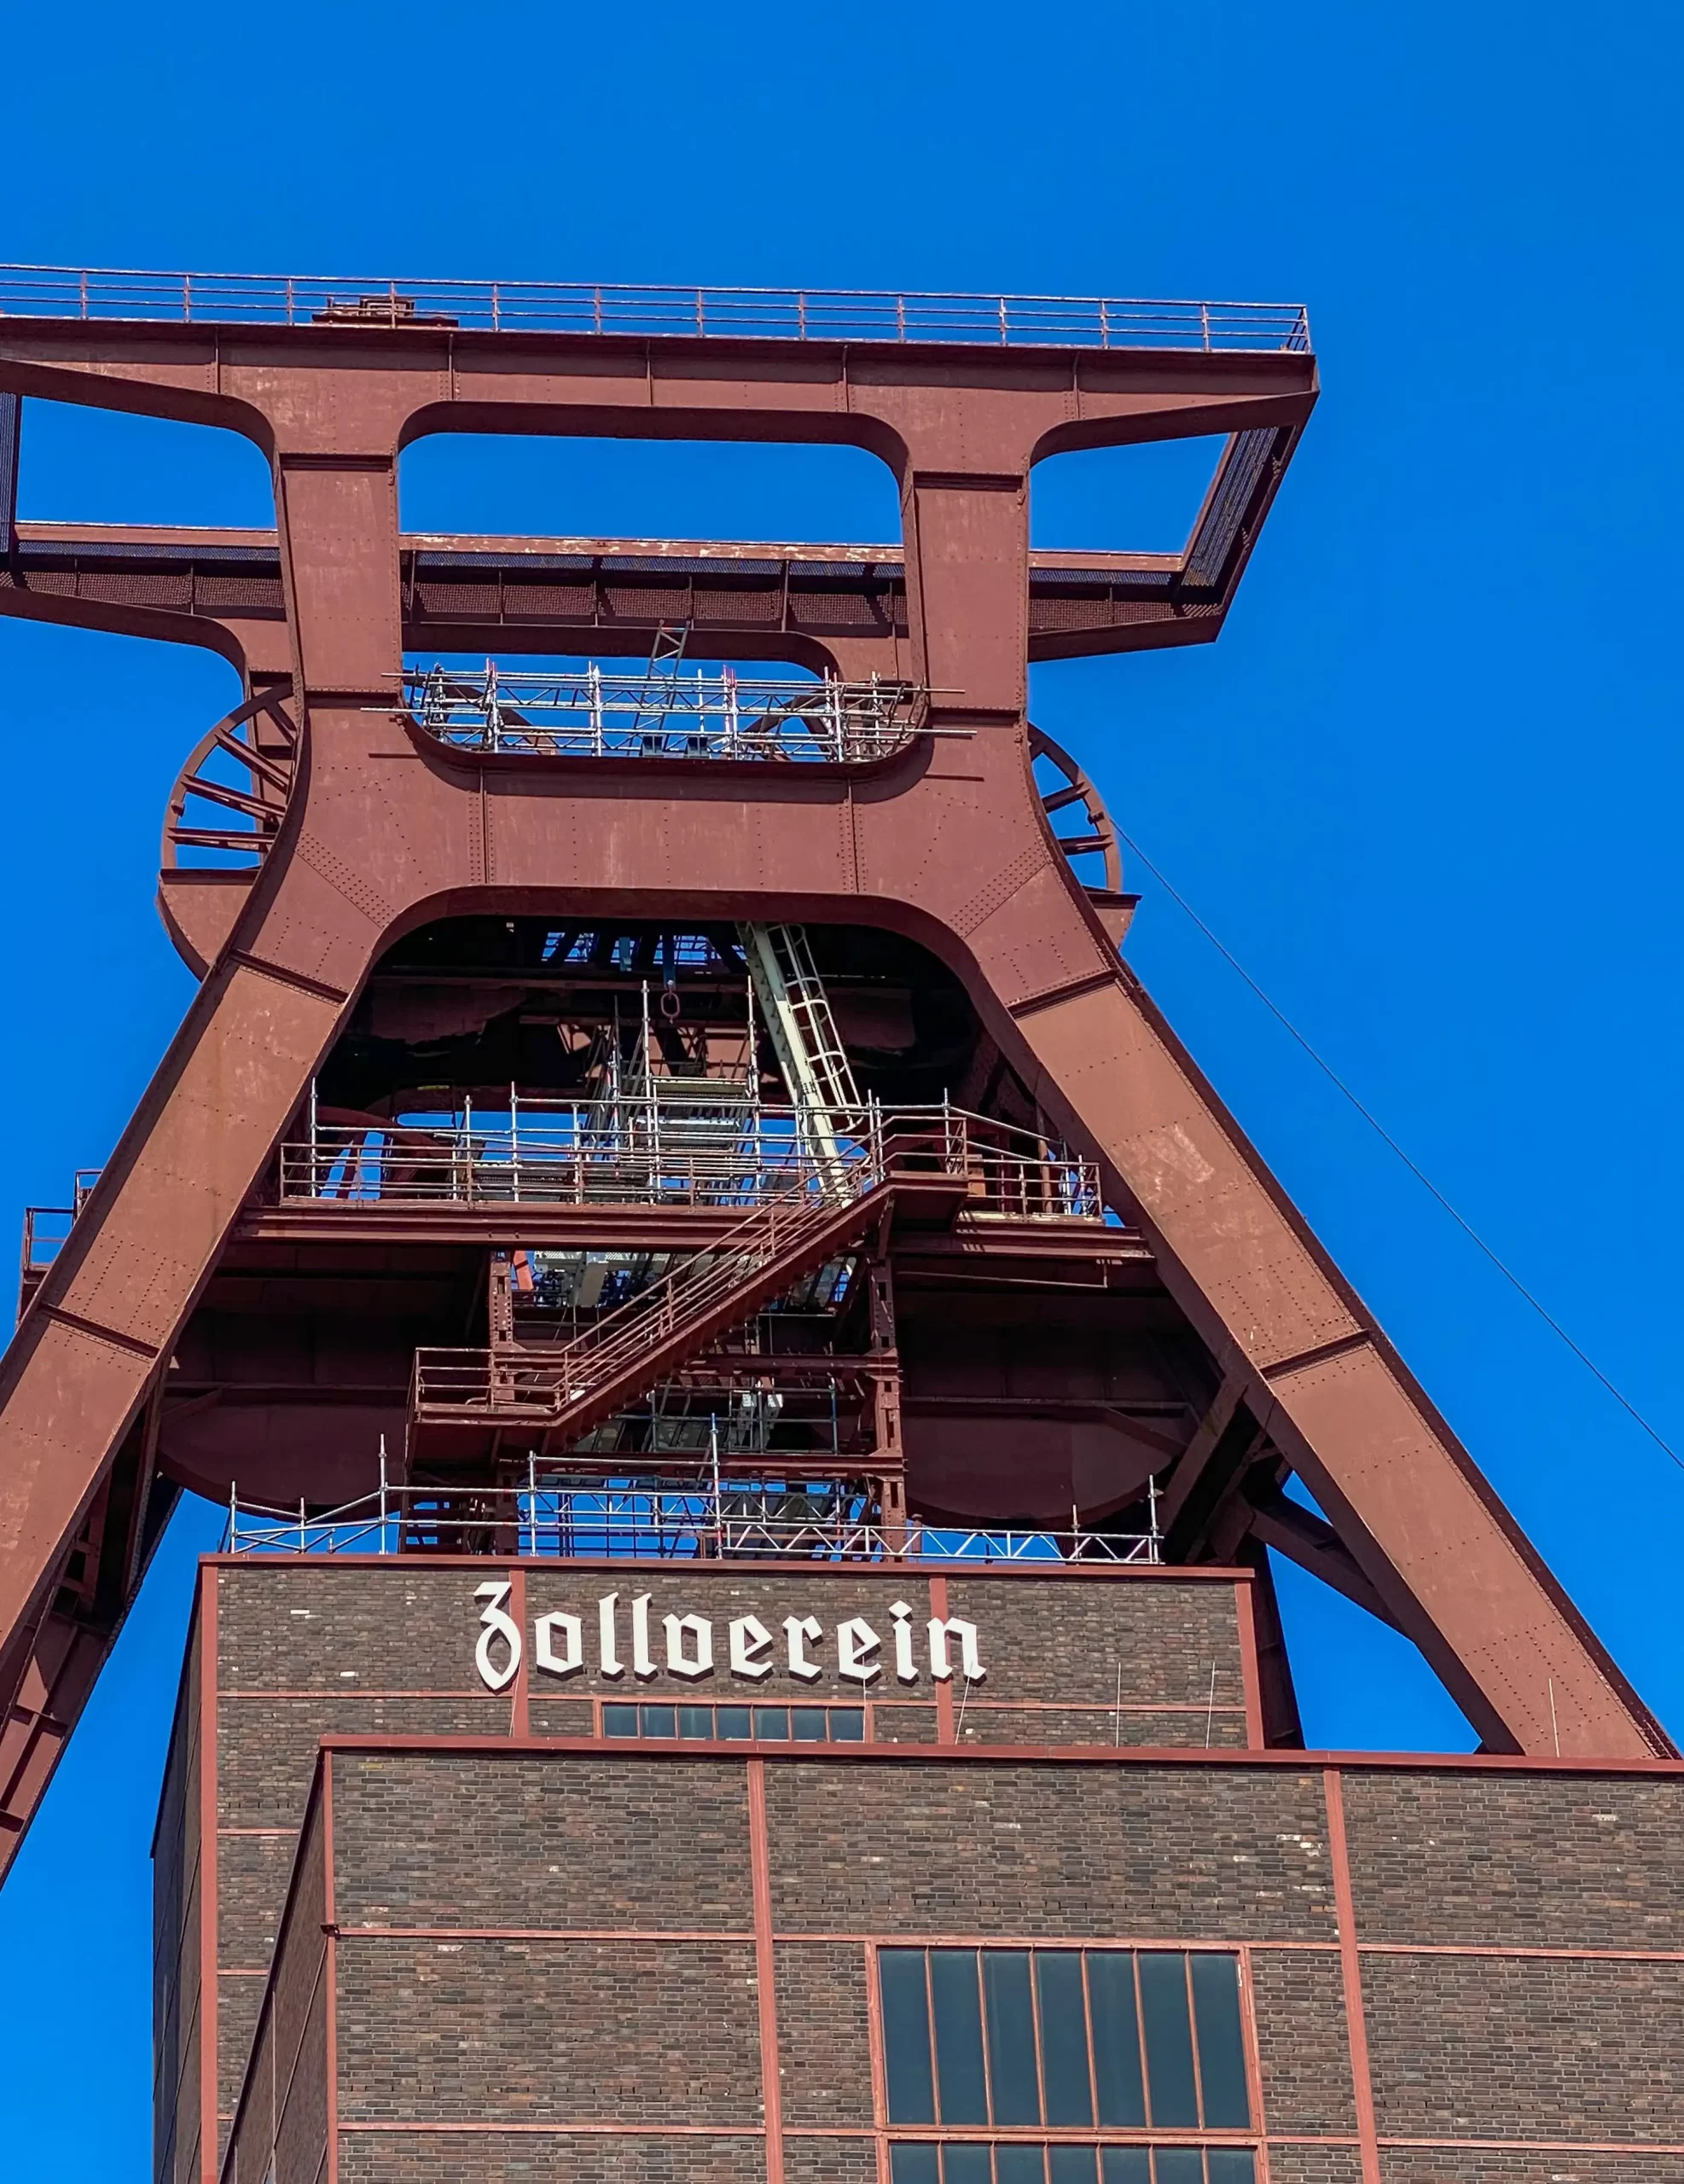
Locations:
617 1212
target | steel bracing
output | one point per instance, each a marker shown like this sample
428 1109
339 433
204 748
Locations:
396 896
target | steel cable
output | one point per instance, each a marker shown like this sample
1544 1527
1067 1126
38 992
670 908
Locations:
1386 1138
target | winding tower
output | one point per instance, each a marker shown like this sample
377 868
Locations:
681 1095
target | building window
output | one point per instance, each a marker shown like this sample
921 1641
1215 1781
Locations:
1021 2162
1074 2040
738 1724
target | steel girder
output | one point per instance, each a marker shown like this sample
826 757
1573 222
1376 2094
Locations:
947 844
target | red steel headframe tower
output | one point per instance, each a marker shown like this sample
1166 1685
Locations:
650 896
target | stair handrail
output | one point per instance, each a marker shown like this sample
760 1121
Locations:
690 1285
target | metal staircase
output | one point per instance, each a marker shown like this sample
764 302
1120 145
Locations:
465 1404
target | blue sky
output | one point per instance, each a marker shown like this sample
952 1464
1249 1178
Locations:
1425 787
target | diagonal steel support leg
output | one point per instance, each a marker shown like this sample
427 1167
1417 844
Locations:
107 1315
1423 1527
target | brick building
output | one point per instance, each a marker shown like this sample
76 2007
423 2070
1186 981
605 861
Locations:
836 1875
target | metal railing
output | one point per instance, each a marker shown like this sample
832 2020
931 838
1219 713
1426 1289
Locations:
734 1520
530 1386
511 1385
648 1151
728 1402
569 307
46 1228
45 1231
523 714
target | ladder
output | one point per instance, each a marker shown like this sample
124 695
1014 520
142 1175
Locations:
808 1047
655 700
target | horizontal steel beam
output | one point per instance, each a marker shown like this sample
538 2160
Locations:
820 603
550 1227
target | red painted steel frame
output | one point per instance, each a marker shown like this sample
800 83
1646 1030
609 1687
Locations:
946 845
837 606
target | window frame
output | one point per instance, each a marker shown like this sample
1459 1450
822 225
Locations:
609 1708
1201 2137
1151 2147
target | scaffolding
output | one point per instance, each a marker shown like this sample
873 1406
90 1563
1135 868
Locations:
713 1514
660 712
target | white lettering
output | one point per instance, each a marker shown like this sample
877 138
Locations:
751 1648
856 1642
679 1662
608 1638
571 1658
970 1660
558 1644
905 1667
498 1624
642 1661
800 1631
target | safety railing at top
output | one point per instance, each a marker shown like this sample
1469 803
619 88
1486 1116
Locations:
45 1230
651 1152
731 1520
47 1227
568 307
519 713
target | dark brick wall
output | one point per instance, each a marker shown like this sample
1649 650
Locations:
1301 2165
586 1842
560 1717
1302 2043
1013 1849
266 1747
829 2161
283 2107
252 2133
1483 2165
1525 2047
300 2010
1536 1861
300 1624
238 2004
177 2042
252 1875
301 2130
288 1633
619 1979
308 1648
824 2038
990 1723
174 1921
1064 1638
187 2127
903 1725
551 2159
549 2031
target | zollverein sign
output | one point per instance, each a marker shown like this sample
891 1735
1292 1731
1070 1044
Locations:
622 1640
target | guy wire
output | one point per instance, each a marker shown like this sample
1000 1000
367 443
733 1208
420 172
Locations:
1386 1137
